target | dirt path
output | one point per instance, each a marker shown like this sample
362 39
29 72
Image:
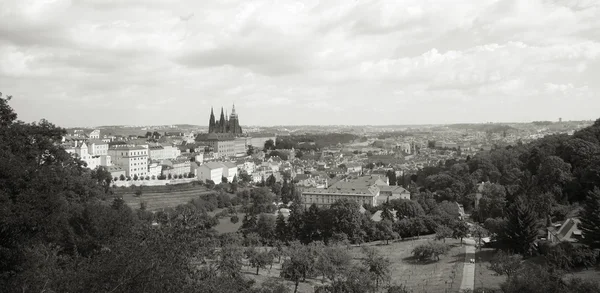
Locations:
468 277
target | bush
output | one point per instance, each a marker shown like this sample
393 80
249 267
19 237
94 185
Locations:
234 219
567 256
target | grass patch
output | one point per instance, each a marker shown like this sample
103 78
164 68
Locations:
159 200
443 276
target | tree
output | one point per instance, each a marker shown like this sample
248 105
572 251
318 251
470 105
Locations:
391 175
234 219
521 229
170 176
229 261
590 220
460 229
281 229
505 264
386 214
385 231
333 261
443 232
479 232
346 218
431 249
300 264
311 220
265 227
406 208
259 259
135 177
377 265
269 145
270 180
122 177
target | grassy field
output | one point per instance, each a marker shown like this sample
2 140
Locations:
436 277
484 277
159 200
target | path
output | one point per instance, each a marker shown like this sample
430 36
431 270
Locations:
468 277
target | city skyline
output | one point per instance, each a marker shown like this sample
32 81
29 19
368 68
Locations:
90 63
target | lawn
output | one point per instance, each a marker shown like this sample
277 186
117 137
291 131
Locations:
443 276
484 277
159 200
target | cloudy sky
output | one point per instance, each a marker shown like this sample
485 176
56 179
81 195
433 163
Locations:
100 62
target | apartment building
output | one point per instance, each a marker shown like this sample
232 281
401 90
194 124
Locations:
133 159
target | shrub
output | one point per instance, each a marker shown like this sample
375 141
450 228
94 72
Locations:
567 256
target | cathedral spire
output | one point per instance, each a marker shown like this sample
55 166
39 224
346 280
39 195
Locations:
211 121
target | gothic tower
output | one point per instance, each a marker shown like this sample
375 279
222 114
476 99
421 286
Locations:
222 122
211 121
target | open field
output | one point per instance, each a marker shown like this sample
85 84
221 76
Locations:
159 200
443 276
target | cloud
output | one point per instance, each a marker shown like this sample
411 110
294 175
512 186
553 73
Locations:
308 62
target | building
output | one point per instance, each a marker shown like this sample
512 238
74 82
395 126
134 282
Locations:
81 151
175 167
210 171
566 232
230 170
163 152
325 197
223 145
224 125
116 171
387 193
134 159
94 134
239 146
97 147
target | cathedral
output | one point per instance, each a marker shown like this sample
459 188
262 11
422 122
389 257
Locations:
224 125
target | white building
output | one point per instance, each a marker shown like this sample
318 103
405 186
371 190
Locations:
97 147
94 134
163 152
210 171
134 159
229 170
80 150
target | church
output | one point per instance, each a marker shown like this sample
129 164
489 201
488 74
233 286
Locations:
224 125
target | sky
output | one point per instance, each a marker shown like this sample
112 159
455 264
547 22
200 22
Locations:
355 62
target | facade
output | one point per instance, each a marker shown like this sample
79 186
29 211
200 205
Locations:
175 167
134 159
160 152
325 197
230 169
239 146
210 171
225 125
81 151
154 170
387 193
94 134
97 147
222 144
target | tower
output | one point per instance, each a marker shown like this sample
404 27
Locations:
222 122
211 121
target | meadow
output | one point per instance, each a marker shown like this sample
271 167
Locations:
433 277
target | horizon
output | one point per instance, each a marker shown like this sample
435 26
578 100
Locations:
354 63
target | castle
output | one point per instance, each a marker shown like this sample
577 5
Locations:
231 126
